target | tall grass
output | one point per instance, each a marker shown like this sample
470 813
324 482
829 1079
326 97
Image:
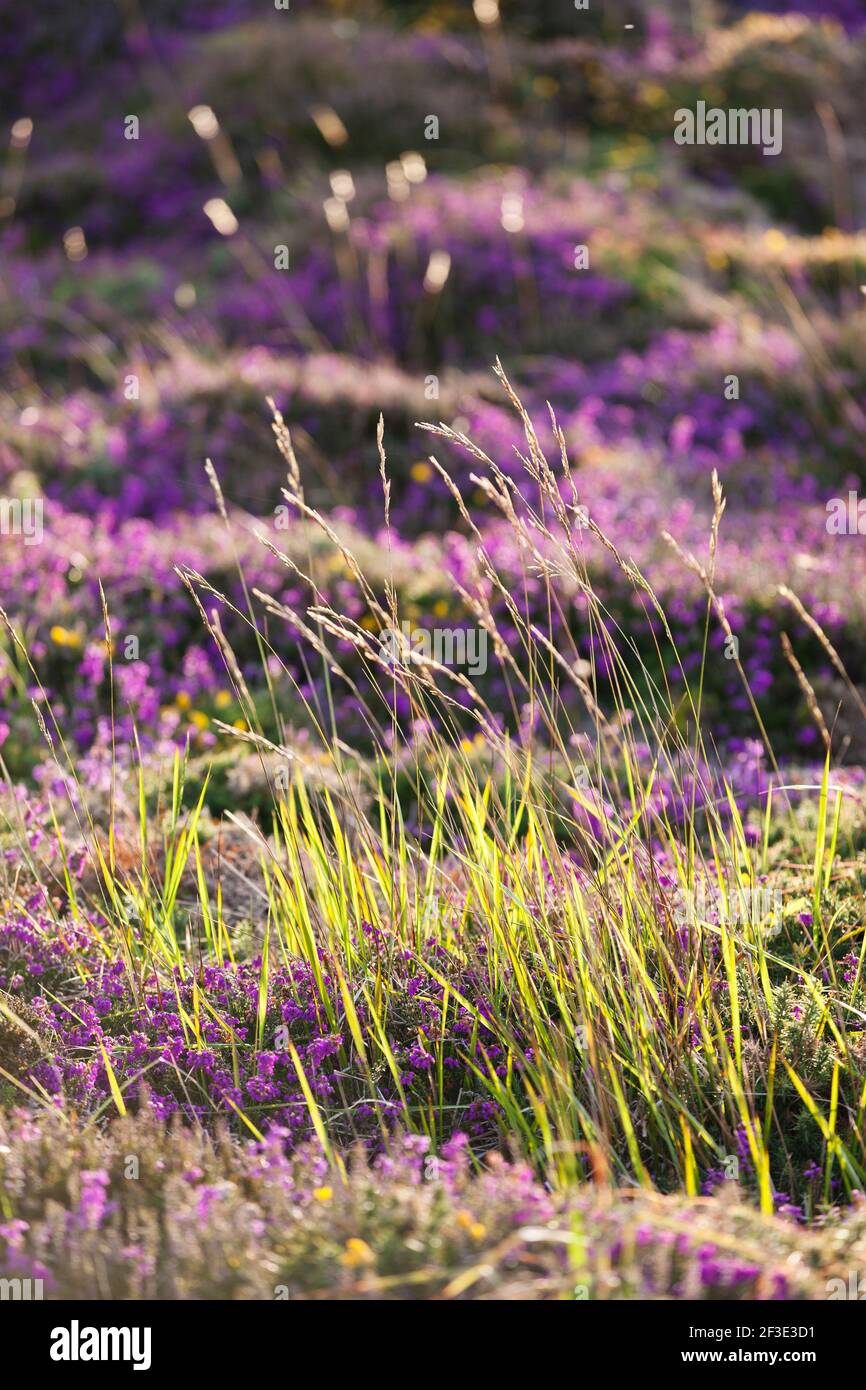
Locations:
579 882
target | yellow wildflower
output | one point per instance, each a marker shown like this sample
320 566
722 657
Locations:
468 1222
63 637
357 1252
545 86
651 94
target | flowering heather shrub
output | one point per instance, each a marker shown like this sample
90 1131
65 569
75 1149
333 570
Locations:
256 1051
125 1215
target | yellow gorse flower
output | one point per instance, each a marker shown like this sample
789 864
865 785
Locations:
357 1252
775 240
475 1228
63 637
716 258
